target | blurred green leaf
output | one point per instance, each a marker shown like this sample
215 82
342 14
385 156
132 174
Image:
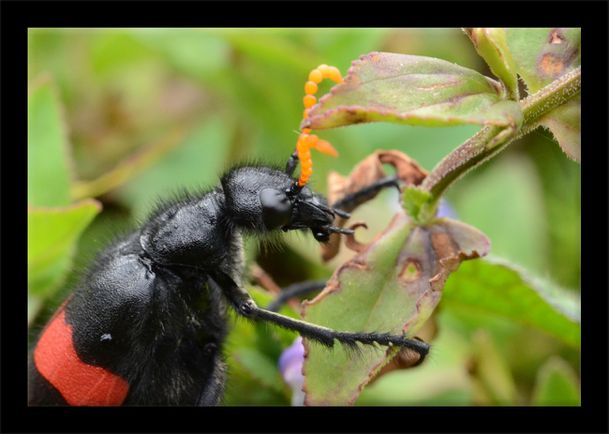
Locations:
441 380
114 50
52 237
196 52
48 161
263 46
504 199
493 381
491 44
261 367
413 90
34 304
49 52
242 389
128 168
542 55
254 376
339 46
391 286
557 384
561 185
195 164
502 289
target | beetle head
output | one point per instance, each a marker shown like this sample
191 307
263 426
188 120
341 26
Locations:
264 199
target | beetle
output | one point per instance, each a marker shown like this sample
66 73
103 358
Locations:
147 323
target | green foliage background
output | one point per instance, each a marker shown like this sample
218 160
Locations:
148 112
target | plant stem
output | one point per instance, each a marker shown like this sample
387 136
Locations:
490 140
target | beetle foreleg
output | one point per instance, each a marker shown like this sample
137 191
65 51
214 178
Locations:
352 200
294 290
245 306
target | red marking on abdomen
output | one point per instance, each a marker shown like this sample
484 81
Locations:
78 382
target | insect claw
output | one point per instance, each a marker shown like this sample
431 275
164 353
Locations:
338 230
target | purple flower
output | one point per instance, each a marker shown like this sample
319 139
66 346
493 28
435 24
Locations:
290 366
445 210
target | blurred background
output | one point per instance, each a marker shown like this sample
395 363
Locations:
148 112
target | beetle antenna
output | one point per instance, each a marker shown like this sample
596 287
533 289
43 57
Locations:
291 164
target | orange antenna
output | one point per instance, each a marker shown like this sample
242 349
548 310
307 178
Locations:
306 140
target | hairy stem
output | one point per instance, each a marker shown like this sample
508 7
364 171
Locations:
490 140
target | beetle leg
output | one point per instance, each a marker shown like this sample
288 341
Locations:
358 197
246 307
294 290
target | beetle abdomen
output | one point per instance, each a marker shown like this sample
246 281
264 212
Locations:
77 382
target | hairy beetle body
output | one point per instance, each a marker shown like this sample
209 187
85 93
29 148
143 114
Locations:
157 327
146 314
147 324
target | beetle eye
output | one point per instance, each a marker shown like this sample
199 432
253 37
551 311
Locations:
276 208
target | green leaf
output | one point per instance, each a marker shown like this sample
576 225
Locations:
195 52
505 200
339 46
501 289
541 56
34 304
113 51
261 367
198 159
565 124
491 44
492 380
561 199
52 236
393 285
255 348
128 168
263 46
557 384
413 90
48 168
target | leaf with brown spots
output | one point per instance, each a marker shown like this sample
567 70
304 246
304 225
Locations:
393 285
541 56
413 90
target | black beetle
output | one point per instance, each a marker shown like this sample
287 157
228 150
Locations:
147 324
